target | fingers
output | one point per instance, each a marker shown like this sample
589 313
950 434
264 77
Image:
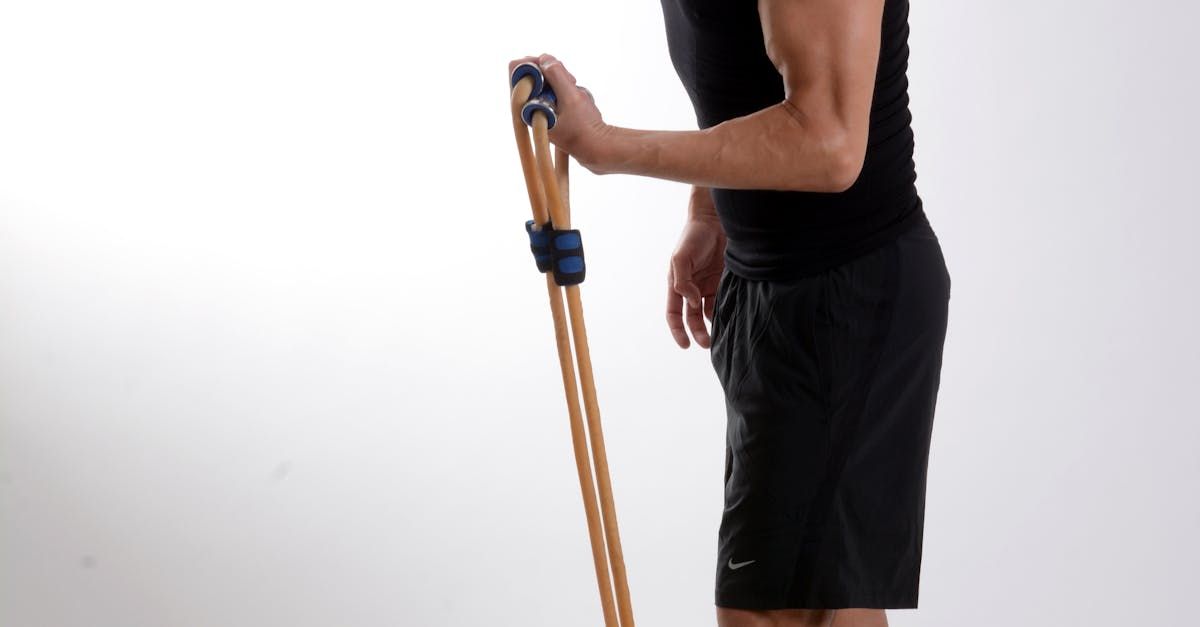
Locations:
558 76
683 285
675 311
695 322
680 287
681 268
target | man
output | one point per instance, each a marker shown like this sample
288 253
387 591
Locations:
807 247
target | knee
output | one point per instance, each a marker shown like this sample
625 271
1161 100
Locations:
730 617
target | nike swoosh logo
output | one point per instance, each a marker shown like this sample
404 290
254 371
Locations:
733 566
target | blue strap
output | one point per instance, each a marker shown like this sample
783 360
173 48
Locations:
567 250
557 250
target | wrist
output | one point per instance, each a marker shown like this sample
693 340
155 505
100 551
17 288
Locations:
701 205
601 154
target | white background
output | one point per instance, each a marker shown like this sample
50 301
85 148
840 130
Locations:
273 352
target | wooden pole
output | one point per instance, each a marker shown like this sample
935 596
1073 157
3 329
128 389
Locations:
544 200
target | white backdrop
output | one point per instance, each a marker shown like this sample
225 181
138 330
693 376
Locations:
273 352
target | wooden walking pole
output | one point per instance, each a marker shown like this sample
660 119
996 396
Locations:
546 182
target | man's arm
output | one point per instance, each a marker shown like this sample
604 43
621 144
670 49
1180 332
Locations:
815 140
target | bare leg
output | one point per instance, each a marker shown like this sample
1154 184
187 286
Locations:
727 617
859 618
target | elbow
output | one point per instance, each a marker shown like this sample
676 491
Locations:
843 159
832 168
834 149
842 170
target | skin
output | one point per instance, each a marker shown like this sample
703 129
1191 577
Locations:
815 140
801 618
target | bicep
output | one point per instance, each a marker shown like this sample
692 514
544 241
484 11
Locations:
827 52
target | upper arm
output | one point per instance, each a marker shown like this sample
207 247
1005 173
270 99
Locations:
827 52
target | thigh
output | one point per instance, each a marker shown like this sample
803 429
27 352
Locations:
729 617
885 333
766 359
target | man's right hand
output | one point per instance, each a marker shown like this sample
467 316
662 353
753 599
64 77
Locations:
695 271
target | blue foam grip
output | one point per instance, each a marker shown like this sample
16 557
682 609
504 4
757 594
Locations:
539 245
568 240
569 266
533 71
539 104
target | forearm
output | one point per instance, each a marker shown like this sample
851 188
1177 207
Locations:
777 148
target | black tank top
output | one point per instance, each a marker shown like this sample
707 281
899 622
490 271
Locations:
717 49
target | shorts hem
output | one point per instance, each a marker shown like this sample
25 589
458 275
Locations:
873 602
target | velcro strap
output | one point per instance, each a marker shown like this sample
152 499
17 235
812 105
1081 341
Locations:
567 251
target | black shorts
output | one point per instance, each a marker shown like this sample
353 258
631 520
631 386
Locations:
830 382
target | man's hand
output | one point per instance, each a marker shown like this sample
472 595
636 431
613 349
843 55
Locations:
695 271
580 129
